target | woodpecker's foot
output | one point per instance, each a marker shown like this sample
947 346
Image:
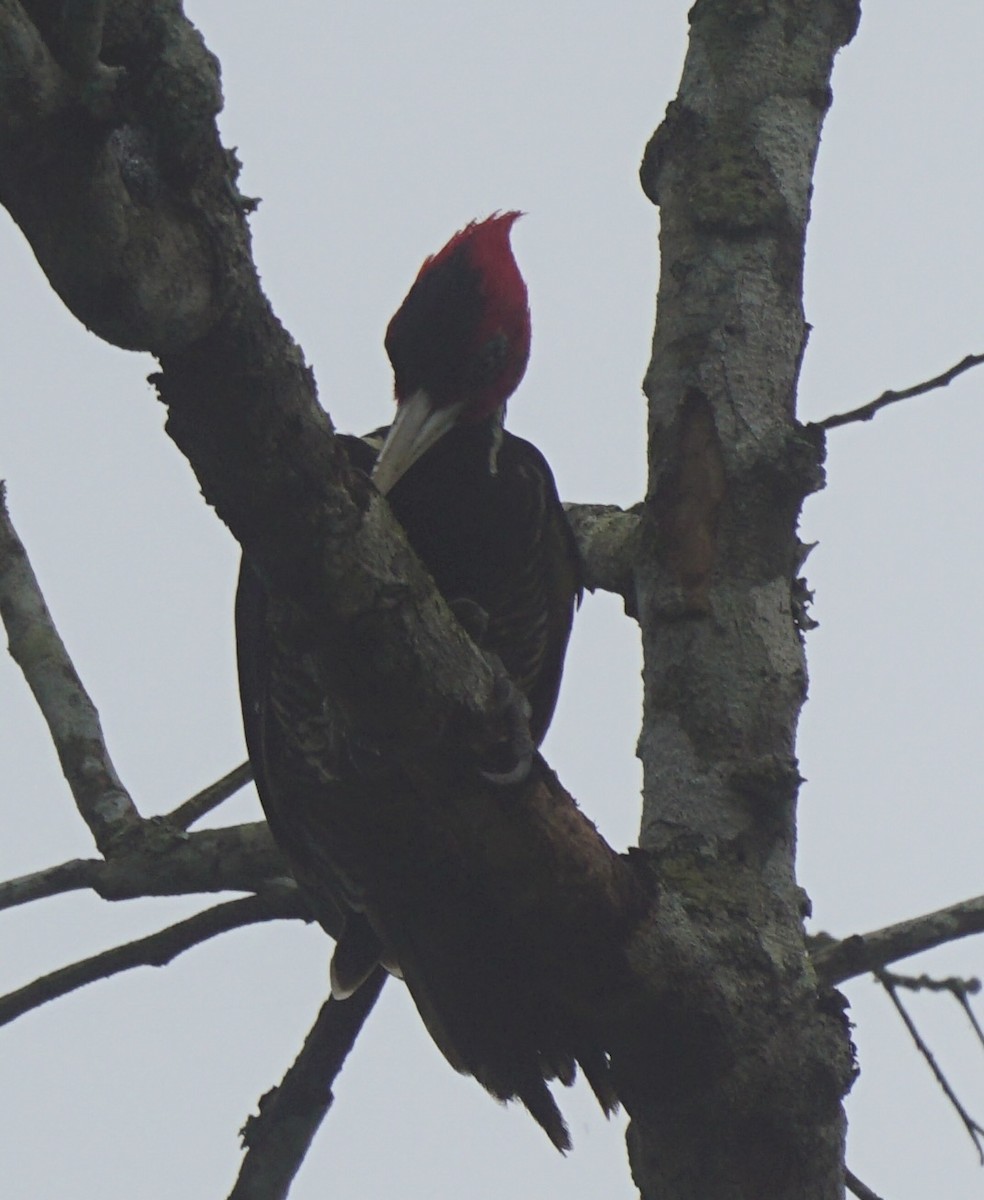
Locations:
472 618
514 756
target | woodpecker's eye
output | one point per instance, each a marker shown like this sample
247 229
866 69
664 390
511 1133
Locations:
491 357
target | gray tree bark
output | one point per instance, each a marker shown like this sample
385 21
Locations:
752 1103
688 956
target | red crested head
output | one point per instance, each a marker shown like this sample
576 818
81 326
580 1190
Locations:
459 343
462 334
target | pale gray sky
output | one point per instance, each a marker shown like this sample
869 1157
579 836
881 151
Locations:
372 133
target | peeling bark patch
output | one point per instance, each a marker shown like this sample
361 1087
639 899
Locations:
687 503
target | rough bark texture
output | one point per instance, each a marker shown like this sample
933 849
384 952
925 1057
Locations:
129 200
687 958
748 1099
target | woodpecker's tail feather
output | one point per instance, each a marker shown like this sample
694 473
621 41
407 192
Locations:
561 1067
357 952
511 1040
597 1071
542 1107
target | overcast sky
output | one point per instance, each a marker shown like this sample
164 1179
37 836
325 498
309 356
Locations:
372 132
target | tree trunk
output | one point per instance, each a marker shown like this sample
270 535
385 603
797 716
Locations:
752 1064
690 963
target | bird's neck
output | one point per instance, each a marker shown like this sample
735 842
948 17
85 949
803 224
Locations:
468 453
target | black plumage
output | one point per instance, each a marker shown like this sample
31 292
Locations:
480 508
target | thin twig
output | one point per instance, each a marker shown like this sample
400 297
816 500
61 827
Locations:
974 1130
278 1138
193 809
971 1016
959 989
71 716
867 411
836 961
926 983
53 881
156 950
861 1190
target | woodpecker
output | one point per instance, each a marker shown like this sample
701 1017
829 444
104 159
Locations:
480 508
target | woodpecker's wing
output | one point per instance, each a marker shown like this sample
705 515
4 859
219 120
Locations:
531 617
285 715
482 513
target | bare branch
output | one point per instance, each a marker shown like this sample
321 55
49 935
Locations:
203 802
71 716
169 863
606 536
156 950
867 411
959 989
164 862
859 1189
53 881
173 293
278 1139
857 955
971 1016
926 983
974 1130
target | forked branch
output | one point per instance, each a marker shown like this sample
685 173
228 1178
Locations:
974 1129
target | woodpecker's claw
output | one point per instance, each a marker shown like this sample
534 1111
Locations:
509 700
519 742
472 618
